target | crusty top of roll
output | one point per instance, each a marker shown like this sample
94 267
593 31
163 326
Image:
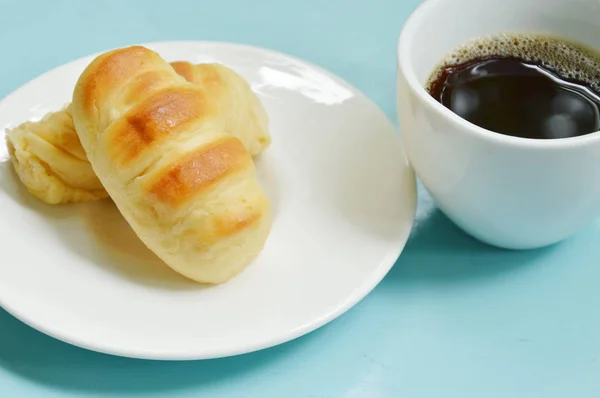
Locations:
133 69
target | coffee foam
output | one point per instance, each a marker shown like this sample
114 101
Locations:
564 57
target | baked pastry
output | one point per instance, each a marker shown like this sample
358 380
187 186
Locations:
50 161
158 145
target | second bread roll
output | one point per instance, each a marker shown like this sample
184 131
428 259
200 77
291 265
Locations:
159 147
231 94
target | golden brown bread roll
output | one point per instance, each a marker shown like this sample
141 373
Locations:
51 163
158 145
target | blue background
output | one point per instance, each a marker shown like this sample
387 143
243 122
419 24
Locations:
454 318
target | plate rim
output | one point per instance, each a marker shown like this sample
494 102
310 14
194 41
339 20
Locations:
362 291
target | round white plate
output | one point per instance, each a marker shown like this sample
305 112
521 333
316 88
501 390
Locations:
344 199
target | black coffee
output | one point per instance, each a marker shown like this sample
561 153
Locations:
522 85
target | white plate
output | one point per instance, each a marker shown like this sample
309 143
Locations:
344 199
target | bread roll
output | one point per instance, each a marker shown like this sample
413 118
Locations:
51 163
158 145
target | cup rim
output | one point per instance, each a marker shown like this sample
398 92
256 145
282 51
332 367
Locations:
405 68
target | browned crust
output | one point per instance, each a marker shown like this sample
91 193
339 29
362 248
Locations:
204 75
145 84
155 118
199 170
109 70
184 69
228 226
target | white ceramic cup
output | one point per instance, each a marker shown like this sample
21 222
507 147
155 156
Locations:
510 192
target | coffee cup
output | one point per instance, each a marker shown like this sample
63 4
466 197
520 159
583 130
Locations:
510 192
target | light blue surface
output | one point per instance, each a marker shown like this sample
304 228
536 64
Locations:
453 319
